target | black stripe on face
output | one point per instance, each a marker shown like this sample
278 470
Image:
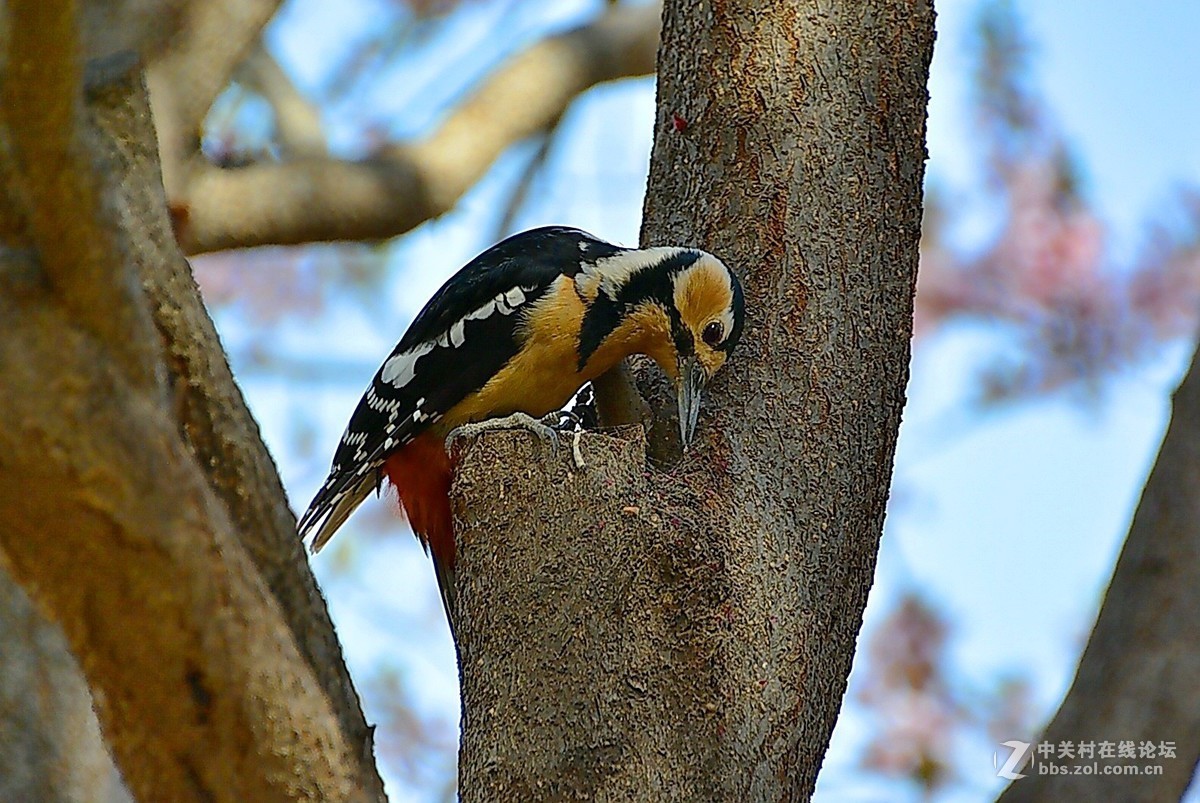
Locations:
739 316
685 343
654 284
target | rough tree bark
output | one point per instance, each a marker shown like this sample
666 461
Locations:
687 635
51 748
140 509
1138 675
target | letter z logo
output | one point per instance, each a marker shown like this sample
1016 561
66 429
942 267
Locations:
1019 751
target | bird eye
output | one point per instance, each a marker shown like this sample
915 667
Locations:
713 334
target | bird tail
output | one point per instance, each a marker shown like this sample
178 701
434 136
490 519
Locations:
445 576
333 504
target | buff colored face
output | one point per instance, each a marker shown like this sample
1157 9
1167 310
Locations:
705 300
708 306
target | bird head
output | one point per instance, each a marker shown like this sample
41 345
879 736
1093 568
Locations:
708 301
682 307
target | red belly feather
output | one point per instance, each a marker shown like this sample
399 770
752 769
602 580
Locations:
421 473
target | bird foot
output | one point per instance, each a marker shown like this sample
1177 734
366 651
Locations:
572 422
546 429
543 428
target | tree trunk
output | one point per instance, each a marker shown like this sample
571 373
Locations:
141 511
1138 676
209 410
51 749
687 635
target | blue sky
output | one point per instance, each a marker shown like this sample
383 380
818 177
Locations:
1010 520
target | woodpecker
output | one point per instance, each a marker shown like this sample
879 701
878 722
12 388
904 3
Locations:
509 339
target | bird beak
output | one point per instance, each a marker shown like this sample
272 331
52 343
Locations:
690 385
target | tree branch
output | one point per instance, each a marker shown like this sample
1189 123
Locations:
111 526
124 531
592 654
1145 647
211 414
196 65
67 219
791 143
687 636
313 199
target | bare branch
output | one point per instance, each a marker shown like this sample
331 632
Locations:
302 201
297 119
67 219
309 200
197 64
1145 647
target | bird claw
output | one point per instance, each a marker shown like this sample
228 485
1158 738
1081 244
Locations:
568 421
572 422
546 429
541 429
576 452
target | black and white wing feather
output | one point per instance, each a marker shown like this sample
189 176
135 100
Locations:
463 337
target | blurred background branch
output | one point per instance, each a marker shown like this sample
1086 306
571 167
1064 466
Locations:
307 198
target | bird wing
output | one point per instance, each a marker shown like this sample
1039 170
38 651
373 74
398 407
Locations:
463 337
